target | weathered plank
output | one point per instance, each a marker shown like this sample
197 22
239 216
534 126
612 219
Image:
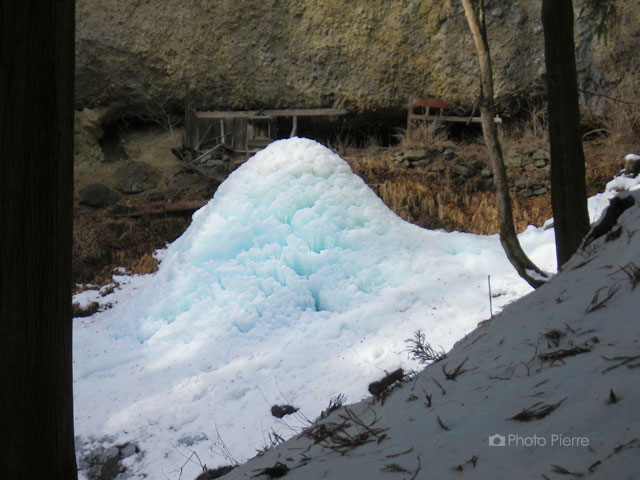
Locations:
449 118
294 112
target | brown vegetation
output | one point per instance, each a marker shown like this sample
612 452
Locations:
438 200
102 243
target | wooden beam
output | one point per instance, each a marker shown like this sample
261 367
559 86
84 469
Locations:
201 156
197 147
296 112
448 118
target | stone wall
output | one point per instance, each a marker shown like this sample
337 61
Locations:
527 168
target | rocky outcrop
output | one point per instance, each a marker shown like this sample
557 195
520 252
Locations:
365 55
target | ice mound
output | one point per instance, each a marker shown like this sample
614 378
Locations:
292 230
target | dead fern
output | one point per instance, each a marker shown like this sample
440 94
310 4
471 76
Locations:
553 337
597 302
453 374
564 471
562 353
393 468
536 411
620 361
334 404
349 433
632 271
421 351
273 440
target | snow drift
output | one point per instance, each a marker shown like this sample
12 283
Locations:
293 284
546 389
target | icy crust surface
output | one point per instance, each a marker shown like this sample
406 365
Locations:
293 284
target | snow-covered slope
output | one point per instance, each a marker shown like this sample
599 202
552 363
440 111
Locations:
556 376
293 285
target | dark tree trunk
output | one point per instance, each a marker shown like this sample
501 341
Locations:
568 191
36 191
508 236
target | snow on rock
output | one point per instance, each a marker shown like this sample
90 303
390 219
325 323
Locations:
546 389
295 283
632 164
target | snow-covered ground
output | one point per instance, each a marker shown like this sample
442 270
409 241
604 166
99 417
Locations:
296 284
547 389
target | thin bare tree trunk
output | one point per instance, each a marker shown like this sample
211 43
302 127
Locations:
508 236
36 193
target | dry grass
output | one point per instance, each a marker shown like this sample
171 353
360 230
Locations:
439 201
145 264
615 132
430 135
531 133
620 116
102 243
433 205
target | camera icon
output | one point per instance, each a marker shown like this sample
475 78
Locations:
497 440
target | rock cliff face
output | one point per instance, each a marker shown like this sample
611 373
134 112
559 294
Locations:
365 55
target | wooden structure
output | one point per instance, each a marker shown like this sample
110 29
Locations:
430 109
242 131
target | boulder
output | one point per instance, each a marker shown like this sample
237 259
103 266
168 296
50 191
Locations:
513 160
540 155
415 155
136 177
423 163
401 162
97 195
461 170
632 164
540 162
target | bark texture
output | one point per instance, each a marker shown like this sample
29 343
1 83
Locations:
36 189
568 190
508 236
